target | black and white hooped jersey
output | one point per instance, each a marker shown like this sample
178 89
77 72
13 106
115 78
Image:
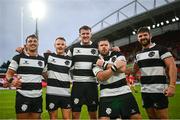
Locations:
83 57
152 68
58 82
30 68
116 84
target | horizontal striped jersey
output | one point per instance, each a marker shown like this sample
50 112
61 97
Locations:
83 57
30 68
58 82
116 84
152 67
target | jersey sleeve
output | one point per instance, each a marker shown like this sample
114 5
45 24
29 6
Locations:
164 53
121 57
14 63
96 69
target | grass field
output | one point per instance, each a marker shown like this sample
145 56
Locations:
7 103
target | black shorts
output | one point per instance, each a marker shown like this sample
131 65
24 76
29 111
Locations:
27 104
84 93
154 100
53 102
122 106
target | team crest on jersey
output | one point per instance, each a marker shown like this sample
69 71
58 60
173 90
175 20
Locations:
51 105
67 62
76 100
24 107
113 59
40 63
93 51
151 54
108 111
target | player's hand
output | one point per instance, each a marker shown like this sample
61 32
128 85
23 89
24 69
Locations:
117 49
17 82
118 63
169 91
100 62
6 84
48 51
19 49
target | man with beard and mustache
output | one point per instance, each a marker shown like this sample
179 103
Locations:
153 61
29 68
116 99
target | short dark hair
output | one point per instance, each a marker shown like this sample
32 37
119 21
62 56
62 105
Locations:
102 39
31 36
85 27
61 38
143 29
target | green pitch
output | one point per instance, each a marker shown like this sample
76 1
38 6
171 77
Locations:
7 103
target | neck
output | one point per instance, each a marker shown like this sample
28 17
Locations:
147 46
60 53
86 43
104 55
32 53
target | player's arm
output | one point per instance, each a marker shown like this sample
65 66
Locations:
172 70
105 74
45 76
172 73
135 69
121 66
11 81
21 49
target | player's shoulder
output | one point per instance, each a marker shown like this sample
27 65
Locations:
117 53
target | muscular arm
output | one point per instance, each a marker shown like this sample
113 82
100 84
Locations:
135 69
45 75
10 73
122 66
106 74
16 81
172 70
172 73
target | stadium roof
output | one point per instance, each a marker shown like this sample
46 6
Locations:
156 16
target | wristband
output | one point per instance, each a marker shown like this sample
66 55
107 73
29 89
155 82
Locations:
10 80
105 64
114 68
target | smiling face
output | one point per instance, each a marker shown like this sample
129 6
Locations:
85 36
144 39
32 44
60 46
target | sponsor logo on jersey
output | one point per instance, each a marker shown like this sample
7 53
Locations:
25 62
77 51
